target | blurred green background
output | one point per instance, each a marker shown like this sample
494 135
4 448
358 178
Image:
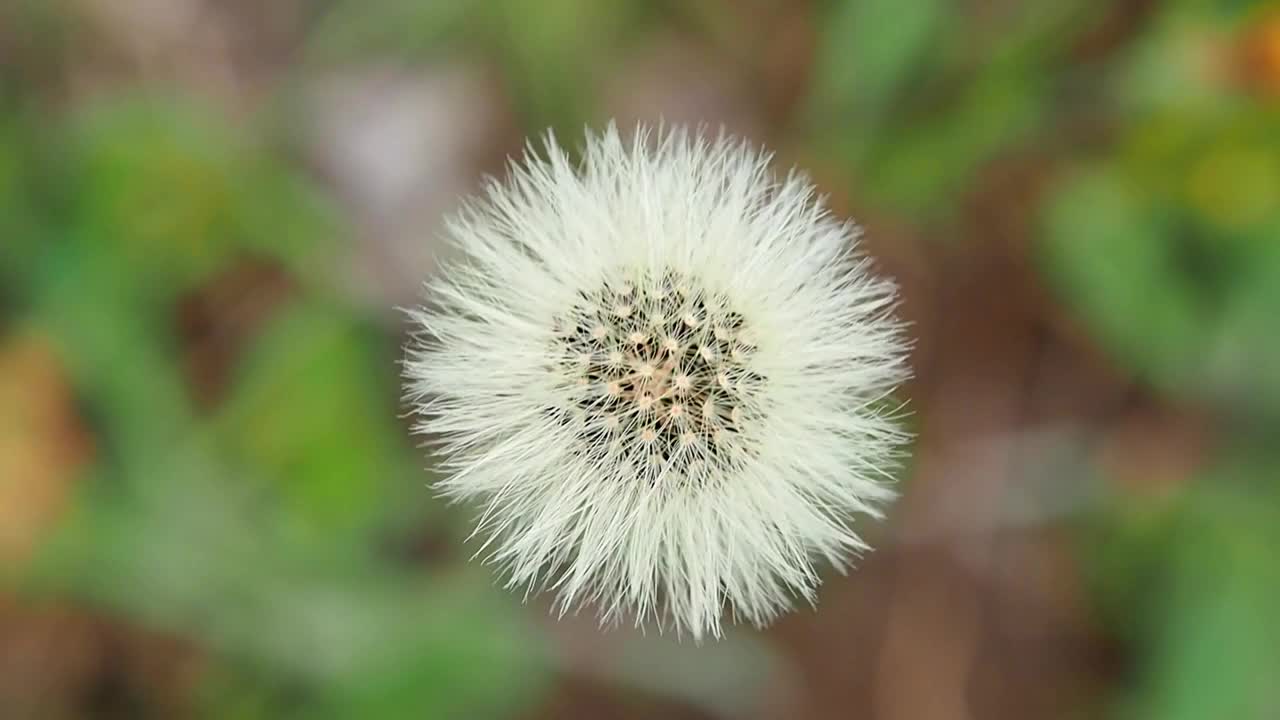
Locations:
210 505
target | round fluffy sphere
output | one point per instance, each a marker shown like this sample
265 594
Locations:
663 372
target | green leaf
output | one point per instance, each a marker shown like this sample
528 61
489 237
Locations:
313 408
1217 650
869 50
169 196
925 168
1242 363
119 351
1190 585
155 191
18 239
1109 252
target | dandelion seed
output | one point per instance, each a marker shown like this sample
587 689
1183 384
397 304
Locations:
737 349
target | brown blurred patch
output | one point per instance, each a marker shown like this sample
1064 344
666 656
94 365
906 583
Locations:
779 50
835 650
577 697
42 444
61 662
1041 644
681 80
159 43
1258 55
973 609
983 354
1115 26
1154 449
216 321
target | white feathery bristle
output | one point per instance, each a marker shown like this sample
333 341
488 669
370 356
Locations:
663 373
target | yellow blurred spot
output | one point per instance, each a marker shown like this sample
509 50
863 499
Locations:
1234 187
42 445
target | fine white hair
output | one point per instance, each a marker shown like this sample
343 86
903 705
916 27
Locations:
663 372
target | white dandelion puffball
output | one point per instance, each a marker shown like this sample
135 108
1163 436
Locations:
662 372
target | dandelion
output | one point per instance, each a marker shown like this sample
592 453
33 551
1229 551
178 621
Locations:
662 372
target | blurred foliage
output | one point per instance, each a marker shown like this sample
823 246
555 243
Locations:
254 525
302 350
916 99
14 223
159 189
551 52
1166 243
1180 227
266 504
1191 583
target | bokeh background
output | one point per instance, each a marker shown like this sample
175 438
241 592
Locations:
210 505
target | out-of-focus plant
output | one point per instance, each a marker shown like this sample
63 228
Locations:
256 522
1169 248
1191 585
20 228
553 54
914 100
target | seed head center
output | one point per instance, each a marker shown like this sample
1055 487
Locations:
660 369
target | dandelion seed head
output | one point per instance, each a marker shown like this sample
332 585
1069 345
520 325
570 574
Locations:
662 374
